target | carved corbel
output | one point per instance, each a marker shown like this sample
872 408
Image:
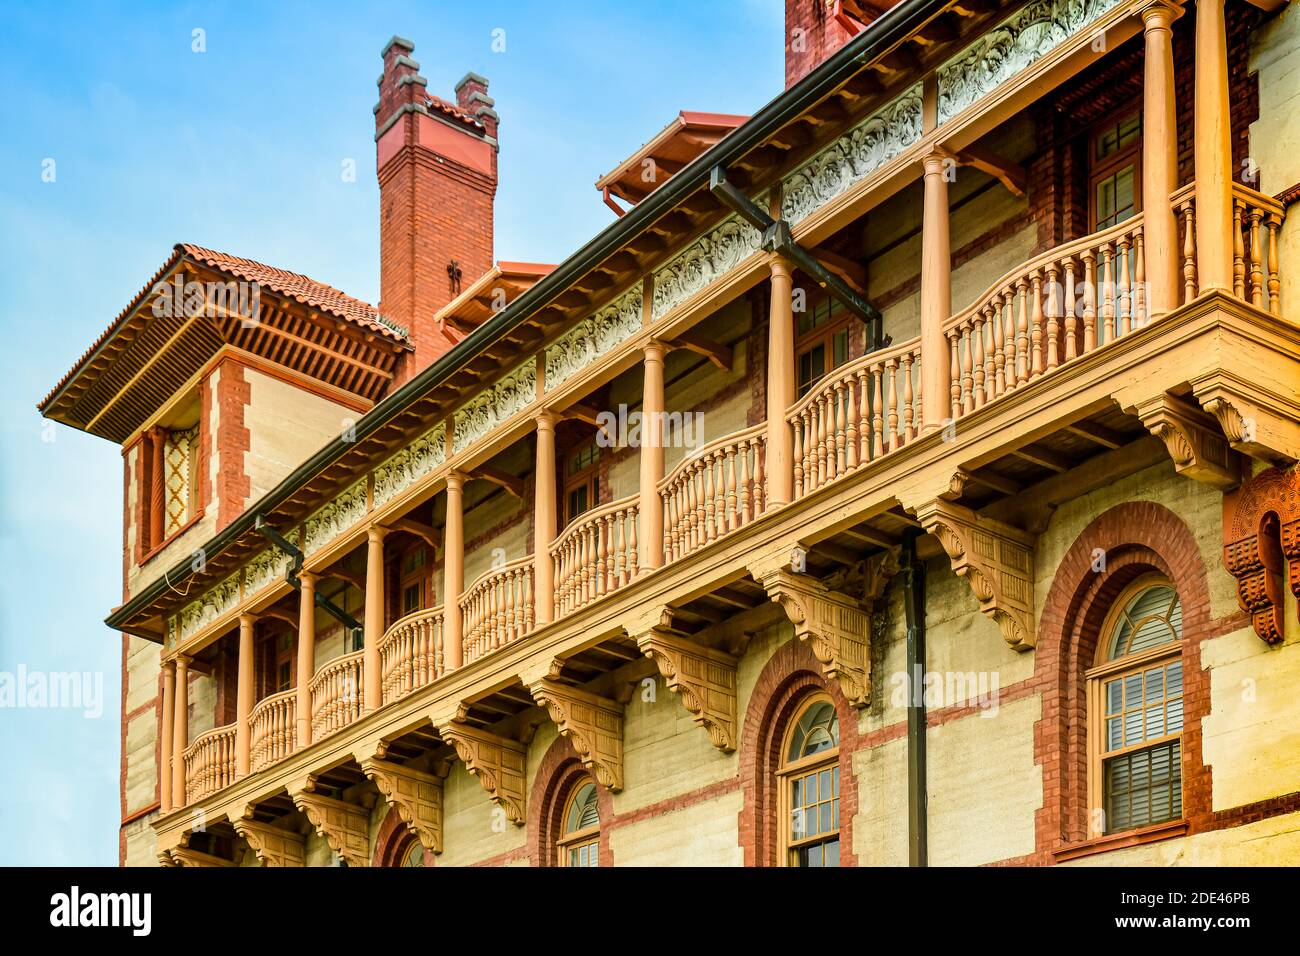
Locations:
835 626
1193 439
165 859
704 678
997 561
497 762
184 856
593 724
878 571
415 795
1261 545
274 845
345 826
1259 415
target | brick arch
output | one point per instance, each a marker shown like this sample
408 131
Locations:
559 772
787 680
393 840
1136 538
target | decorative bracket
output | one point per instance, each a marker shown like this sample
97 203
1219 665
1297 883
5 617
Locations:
1193 439
345 826
415 795
834 624
997 561
274 845
184 856
498 762
1259 414
705 678
593 724
1261 542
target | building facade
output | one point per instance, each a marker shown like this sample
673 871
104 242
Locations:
907 475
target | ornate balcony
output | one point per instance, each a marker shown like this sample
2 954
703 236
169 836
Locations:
411 654
595 554
210 763
337 694
273 729
714 491
498 608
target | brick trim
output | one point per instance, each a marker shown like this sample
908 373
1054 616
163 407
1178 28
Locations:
557 775
1136 538
393 841
788 679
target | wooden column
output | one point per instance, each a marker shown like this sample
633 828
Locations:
781 386
180 730
544 519
165 733
374 617
936 295
306 656
652 458
244 693
1213 150
453 572
157 487
1159 162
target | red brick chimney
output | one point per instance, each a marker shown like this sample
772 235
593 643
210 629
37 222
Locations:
814 29
437 168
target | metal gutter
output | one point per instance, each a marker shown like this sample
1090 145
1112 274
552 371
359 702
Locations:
917 791
879 37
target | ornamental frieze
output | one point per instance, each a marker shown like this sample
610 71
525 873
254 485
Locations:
335 518
196 615
712 255
271 565
854 156
495 404
411 464
593 337
1261 546
1015 44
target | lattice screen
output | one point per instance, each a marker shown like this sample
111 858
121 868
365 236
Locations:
181 451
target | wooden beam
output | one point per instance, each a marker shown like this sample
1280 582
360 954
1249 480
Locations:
1041 456
425 532
1012 175
581 413
500 478
1097 433
717 353
855 274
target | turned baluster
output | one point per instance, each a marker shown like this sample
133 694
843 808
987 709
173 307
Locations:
1022 332
909 413
1274 279
1238 252
1256 260
1070 314
891 404
1188 210
1106 330
1036 325
977 359
1140 280
954 372
800 427
1122 309
1053 316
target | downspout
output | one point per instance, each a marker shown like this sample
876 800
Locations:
262 527
914 608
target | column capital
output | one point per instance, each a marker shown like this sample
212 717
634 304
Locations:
248 618
456 479
654 347
308 579
376 533
937 159
183 660
1159 15
778 265
546 418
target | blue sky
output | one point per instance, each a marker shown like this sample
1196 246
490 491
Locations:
240 148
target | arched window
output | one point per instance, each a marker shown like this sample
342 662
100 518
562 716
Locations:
1135 708
810 786
579 845
413 855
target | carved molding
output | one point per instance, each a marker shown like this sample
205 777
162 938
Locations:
499 763
996 560
853 156
338 516
1013 45
593 724
495 404
593 337
210 606
709 257
1192 438
836 627
274 846
704 678
410 464
1261 546
1264 430
345 826
415 795
878 571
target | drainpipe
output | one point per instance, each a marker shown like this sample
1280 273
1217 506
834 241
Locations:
914 607
263 527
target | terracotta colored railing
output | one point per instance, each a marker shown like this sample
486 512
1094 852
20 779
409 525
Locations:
336 695
410 653
1054 308
595 554
273 731
862 410
497 608
714 490
210 763
1256 221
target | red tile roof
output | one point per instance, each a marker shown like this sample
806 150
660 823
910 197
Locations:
318 295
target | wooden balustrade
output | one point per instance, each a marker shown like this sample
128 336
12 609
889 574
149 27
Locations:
595 554
1256 222
858 412
337 694
410 653
1058 306
498 608
714 490
210 763
273 731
